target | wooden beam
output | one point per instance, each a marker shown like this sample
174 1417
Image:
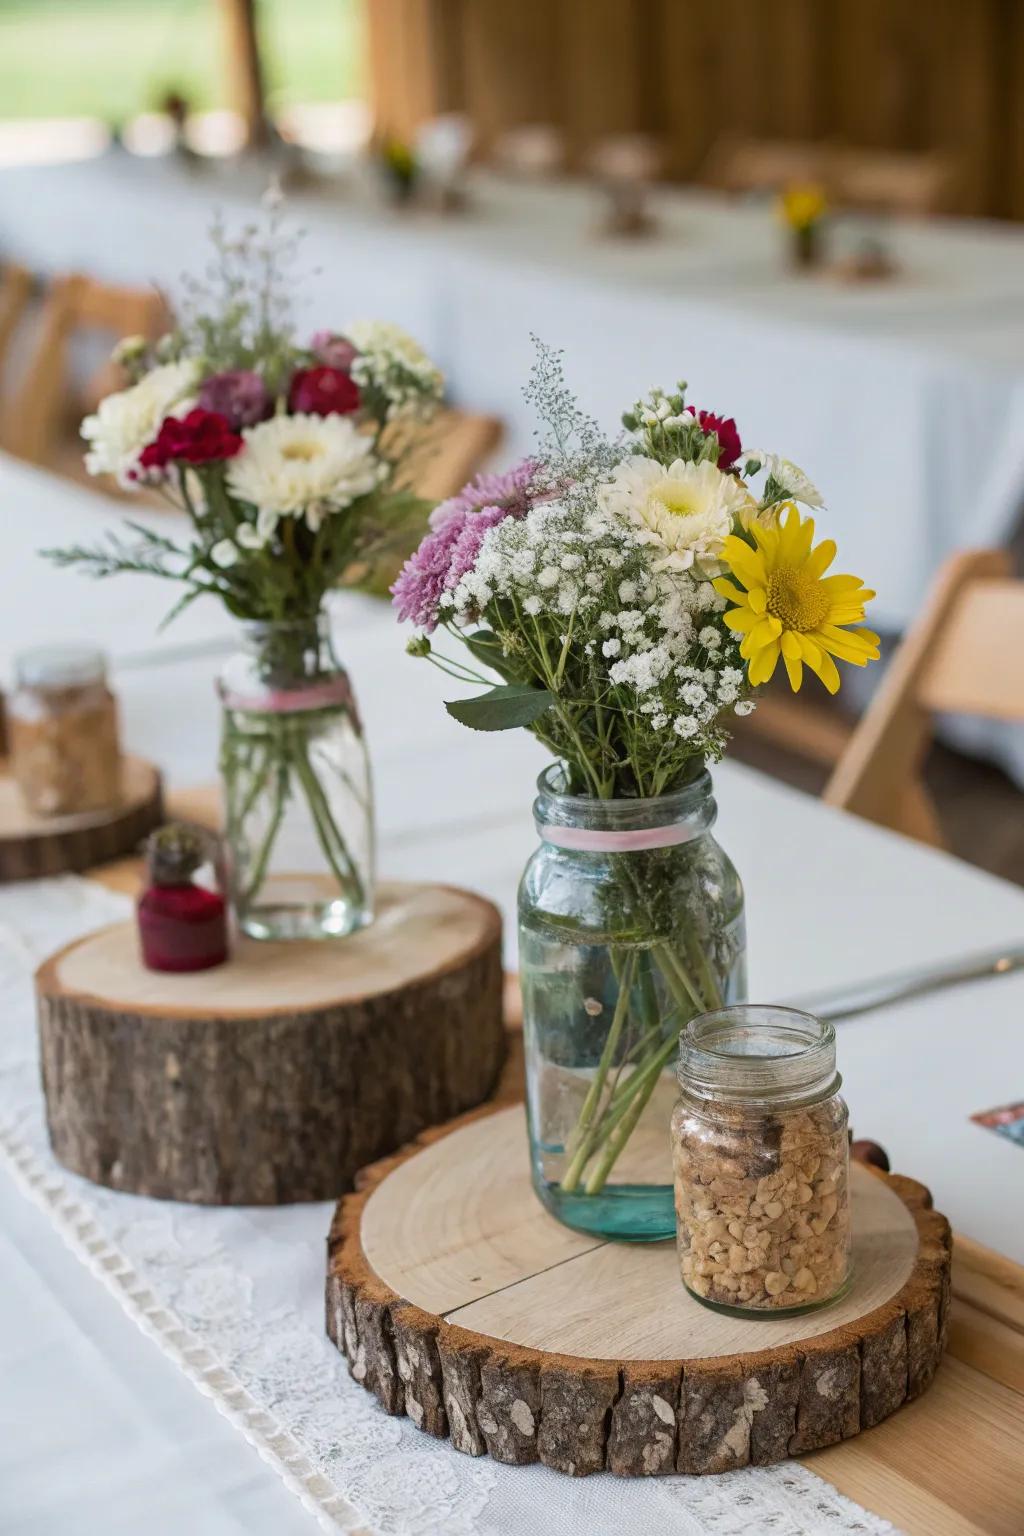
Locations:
245 69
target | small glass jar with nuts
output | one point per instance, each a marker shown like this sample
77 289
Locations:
63 732
761 1162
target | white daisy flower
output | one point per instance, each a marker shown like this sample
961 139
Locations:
127 422
790 478
684 510
303 466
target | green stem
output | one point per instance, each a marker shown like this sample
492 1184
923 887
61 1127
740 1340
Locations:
259 872
325 827
585 1126
621 1132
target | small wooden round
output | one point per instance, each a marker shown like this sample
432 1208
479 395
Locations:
32 847
459 1301
275 1077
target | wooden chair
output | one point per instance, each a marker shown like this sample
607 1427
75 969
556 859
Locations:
876 181
964 655
16 285
442 458
73 304
763 165
459 446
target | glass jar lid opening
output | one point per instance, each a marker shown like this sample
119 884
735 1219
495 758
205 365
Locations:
758 1053
60 666
692 803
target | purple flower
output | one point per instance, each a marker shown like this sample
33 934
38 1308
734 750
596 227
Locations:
457 528
423 577
332 351
513 489
239 395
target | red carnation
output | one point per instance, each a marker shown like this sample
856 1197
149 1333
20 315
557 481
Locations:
323 392
201 437
729 446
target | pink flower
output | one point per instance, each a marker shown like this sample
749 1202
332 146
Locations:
513 489
332 350
239 395
457 528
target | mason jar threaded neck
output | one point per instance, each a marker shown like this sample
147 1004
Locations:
758 1054
691 805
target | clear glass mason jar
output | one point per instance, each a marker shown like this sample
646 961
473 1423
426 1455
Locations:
630 923
297 789
62 722
761 1155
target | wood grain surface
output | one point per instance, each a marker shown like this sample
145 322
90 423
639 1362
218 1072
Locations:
33 847
275 1077
458 1301
479 1249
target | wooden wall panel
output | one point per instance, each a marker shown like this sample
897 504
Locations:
512 64
913 76
920 78
611 81
415 49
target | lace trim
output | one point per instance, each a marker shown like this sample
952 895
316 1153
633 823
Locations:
83 1235
234 1298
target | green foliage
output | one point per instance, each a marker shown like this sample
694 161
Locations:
502 709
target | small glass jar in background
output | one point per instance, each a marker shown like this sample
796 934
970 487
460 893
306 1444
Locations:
62 731
761 1161
182 912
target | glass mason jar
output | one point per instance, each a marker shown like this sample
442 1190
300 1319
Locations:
62 723
296 776
630 923
760 1147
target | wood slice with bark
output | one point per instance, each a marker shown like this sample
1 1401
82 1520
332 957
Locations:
33 847
273 1078
461 1302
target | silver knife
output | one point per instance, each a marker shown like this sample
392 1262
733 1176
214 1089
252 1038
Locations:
902 986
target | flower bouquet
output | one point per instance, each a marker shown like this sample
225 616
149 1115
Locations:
803 210
288 462
631 597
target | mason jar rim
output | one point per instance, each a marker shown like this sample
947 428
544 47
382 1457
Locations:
716 1061
687 796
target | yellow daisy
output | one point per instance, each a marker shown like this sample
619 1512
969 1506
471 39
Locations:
789 607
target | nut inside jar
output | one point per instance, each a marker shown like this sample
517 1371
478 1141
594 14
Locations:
760 1154
62 724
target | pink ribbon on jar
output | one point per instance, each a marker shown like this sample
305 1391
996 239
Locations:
290 701
589 840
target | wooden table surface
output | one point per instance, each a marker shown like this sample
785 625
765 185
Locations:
949 1464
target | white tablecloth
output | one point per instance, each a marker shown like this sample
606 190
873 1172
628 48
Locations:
830 900
903 400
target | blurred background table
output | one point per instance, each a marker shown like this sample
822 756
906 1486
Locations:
904 398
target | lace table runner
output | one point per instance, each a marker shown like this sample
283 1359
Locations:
235 1298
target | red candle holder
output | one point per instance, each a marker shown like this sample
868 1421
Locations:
181 915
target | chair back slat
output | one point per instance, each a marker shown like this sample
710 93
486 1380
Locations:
955 657
73 303
976 665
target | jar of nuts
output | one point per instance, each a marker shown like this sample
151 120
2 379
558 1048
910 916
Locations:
761 1162
62 730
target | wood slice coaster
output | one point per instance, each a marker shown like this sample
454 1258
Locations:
273 1078
459 1301
32 847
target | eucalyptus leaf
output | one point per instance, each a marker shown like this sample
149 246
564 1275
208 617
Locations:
501 709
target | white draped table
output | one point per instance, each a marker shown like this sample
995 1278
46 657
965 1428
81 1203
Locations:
99 1430
904 399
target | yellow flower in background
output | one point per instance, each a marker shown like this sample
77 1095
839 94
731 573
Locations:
802 205
786 606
